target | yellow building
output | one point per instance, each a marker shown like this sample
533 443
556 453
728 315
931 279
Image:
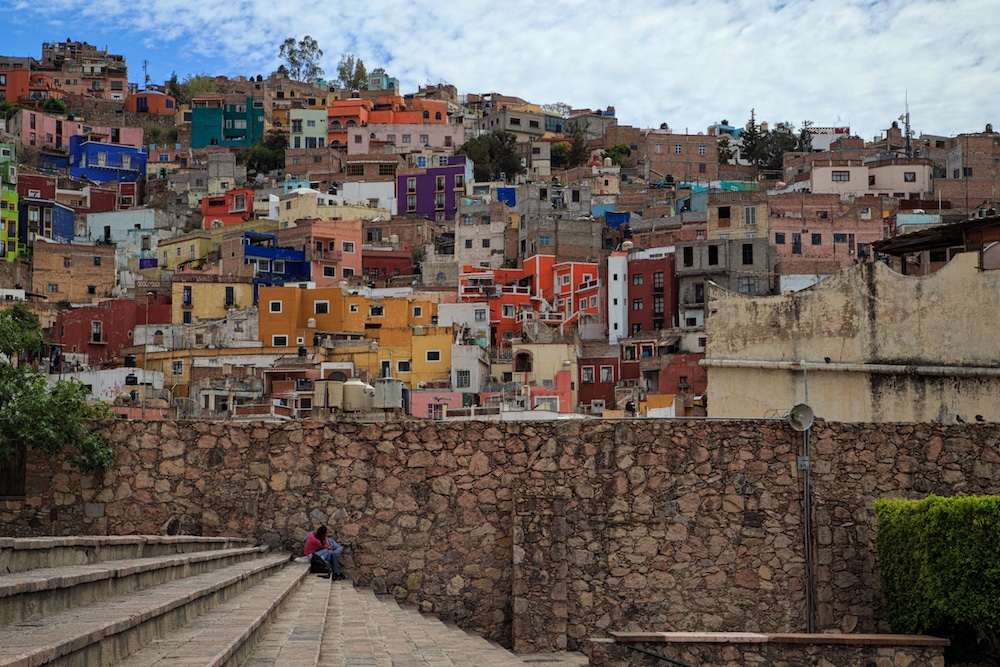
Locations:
381 335
312 205
198 297
188 249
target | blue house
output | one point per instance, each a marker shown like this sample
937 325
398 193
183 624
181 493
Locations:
104 162
44 217
272 265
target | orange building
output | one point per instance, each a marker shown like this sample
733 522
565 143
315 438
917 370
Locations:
383 110
151 101
20 86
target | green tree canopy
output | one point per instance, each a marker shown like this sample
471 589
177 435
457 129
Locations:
49 419
268 155
351 73
751 140
54 105
494 156
725 149
775 143
193 84
559 155
578 152
619 154
302 59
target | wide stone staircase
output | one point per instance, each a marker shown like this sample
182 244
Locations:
183 601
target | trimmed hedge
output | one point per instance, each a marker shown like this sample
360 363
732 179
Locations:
939 568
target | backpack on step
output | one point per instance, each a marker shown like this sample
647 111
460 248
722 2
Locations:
317 565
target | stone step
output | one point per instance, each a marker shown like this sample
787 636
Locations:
106 631
19 554
32 594
233 630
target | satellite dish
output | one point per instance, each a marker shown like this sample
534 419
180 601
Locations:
800 417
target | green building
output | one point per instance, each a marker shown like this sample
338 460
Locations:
9 247
218 120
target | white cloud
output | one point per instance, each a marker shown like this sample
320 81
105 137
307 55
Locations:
688 63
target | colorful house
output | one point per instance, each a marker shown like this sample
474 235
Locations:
46 218
151 101
333 248
10 246
52 131
233 207
432 193
101 331
198 297
93 157
226 120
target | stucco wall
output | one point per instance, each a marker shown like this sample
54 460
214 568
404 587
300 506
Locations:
864 314
539 534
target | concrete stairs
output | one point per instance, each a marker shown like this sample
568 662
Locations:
145 601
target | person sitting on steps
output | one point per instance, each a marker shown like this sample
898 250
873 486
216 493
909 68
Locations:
326 548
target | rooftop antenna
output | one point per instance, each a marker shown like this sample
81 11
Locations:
145 72
906 124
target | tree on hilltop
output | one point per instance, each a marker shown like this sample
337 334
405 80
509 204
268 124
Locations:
302 59
493 155
351 73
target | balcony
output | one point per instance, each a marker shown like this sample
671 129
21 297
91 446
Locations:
327 255
96 163
588 284
550 317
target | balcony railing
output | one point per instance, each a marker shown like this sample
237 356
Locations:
552 316
588 284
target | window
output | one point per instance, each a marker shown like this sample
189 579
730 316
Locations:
329 272
840 238
187 317
486 243
688 256
230 296
658 148
463 379
583 303
418 311
593 302
67 262
425 139
411 202
713 255
376 311
433 355
678 149
749 215
321 307
545 240
347 246
355 170
842 176
702 150
817 239
406 138
387 169
658 280
587 374
967 172
507 310
177 367
186 295
459 180
747 253
636 304
607 374
910 176
353 308
439 183
92 289
403 366
468 243
279 341
636 278
480 314
779 238
274 306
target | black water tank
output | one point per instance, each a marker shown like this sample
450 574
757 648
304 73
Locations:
129 361
303 351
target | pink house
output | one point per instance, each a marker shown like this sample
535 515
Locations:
333 248
34 128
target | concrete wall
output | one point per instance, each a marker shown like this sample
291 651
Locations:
539 534
879 346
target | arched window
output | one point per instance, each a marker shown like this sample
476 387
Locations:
427 114
351 123
522 362
335 124
437 115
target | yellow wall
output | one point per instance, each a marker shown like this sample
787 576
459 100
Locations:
208 299
167 249
399 333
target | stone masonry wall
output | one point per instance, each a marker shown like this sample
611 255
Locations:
539 534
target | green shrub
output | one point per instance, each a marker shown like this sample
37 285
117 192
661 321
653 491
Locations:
939 569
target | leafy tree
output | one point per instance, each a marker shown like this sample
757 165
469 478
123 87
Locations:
351 73
8 109
805 137
173 86
302 59
153 134
493 154
774 144
619 154
752 138
53 419
726 151
559 154
195 84
54 105
578 152
558 107
268 155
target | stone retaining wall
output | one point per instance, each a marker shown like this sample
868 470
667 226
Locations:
539 534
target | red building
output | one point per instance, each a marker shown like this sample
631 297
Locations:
231 208
22 86
151 101
383 263
103 330
652 292
600 371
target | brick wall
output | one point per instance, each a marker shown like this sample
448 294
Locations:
539 534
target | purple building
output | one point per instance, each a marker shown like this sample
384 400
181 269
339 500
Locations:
433 192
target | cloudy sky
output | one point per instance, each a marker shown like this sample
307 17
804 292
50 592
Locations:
687 63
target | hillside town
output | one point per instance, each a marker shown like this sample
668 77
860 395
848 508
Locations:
282 248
